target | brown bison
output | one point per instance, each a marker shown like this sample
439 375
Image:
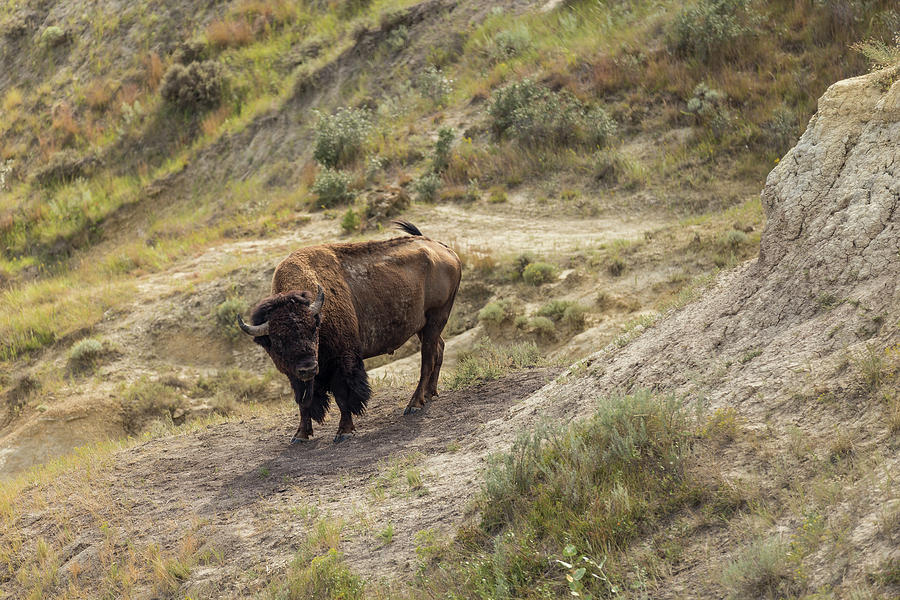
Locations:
370 298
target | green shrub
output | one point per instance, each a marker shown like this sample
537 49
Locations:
574 318
441 157
332 187
426 187
596 484
488 361
147 400
509 99
433 85
710 109
542 326
733 240
85 354
398 38
326 577
226 316
350 222
555 309
197 86
711 29
53 36
340 137
616 265
520 263
509 43
538 273
763 570
535 116
781 131
496 195
879 54
569 313
497 313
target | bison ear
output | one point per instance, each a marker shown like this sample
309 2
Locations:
264 341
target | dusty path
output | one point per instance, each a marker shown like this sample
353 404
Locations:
153 341
244 492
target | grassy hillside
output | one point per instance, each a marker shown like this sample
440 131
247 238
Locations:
100 167
594 164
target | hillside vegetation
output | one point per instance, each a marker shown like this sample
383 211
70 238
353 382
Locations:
595 165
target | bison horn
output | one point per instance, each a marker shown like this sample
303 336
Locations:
316 306
254 330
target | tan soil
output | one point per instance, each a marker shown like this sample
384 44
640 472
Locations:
248 487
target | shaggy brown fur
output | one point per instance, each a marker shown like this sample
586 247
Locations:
377 295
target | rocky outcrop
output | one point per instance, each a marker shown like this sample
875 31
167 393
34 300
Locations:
825 285
802 343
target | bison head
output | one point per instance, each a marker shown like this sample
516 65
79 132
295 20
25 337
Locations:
287 326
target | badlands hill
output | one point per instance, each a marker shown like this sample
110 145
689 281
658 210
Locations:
788 365
633 404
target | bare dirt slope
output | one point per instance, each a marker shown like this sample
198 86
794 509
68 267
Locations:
240 490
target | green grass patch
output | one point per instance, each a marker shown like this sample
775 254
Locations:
490 361
564 501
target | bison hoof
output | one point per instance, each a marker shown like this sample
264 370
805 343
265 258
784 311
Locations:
411 410
299 440
341 437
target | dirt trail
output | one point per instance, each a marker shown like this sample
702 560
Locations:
243 490
153 340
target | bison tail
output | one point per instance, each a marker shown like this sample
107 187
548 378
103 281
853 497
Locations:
408 227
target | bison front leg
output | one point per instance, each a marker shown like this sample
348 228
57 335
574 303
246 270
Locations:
350 386
312 401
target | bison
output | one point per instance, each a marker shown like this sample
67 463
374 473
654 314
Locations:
369 298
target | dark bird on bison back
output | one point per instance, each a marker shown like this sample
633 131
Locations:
369 298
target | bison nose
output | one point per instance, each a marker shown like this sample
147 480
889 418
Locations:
307 371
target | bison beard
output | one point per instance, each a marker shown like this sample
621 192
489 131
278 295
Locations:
379 294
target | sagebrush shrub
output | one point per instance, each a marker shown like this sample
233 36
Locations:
426 187
398 38
332 187
569 313
226 316
709 107
509 43
509 99
538 273
434 85
340 137
711 28
536 116
543 326
53 36
781 130
196 86
497 313
85 354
